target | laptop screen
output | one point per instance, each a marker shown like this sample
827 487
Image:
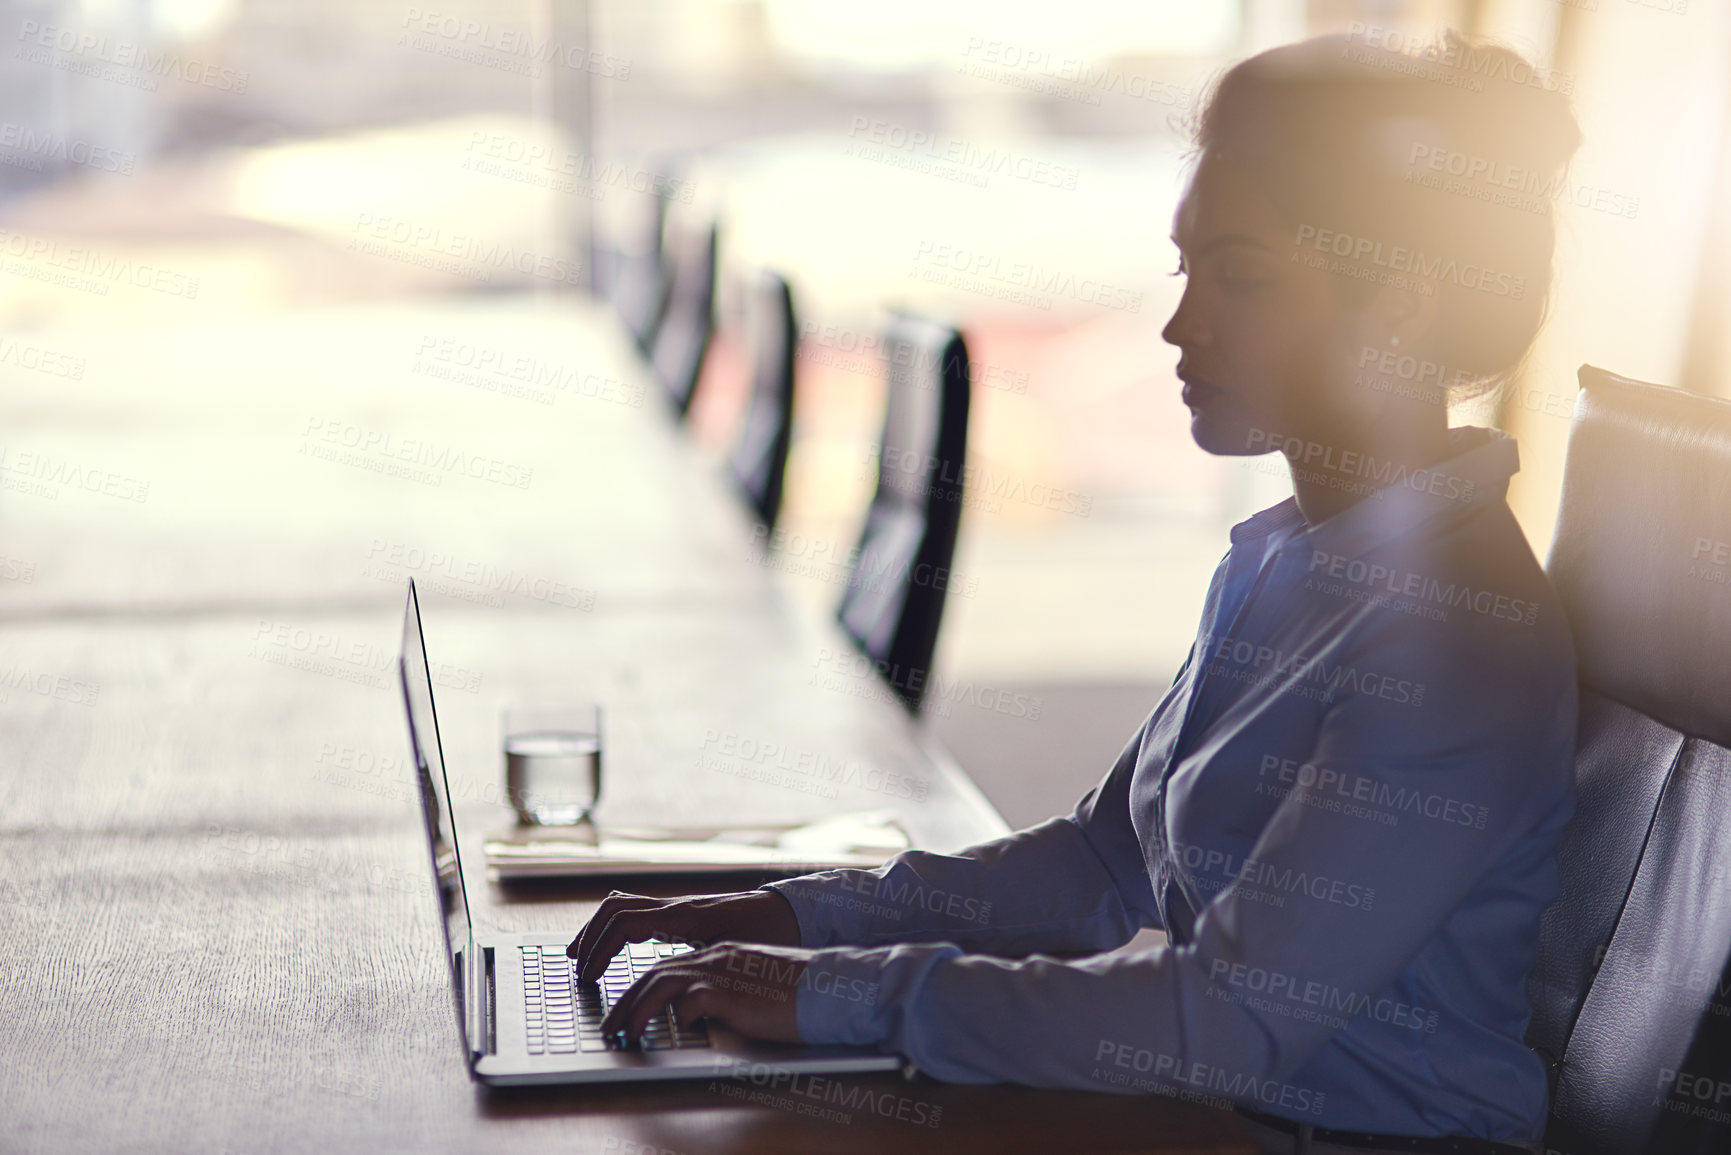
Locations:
441 821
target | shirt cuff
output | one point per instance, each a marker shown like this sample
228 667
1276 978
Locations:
862 996
811 933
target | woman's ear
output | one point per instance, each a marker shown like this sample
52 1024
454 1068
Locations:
1404 317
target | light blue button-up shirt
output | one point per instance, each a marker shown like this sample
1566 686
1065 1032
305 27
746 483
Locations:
1344 813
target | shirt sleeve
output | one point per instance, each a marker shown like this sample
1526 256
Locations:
1325 897
1072 885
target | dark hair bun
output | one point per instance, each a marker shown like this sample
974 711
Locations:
1439 160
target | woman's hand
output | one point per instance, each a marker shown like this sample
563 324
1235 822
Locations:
759 916
751 989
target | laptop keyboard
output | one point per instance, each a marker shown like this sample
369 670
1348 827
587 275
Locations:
564 1017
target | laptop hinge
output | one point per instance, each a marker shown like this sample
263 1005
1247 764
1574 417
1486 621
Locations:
475 998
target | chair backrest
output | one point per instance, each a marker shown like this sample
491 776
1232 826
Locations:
758 461
682 338
640 284
895 593
1630 988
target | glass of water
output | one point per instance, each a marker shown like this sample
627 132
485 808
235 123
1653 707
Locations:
553 763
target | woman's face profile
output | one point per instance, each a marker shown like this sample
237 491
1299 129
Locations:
1264 340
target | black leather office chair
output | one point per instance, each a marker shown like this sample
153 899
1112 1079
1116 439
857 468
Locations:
759 458
1631 990
895 594
682 338
640 281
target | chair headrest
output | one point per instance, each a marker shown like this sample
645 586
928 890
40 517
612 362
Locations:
1642 553
926 413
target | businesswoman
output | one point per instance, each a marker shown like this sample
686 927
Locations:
1345 811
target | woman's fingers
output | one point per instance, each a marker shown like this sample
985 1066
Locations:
694 919
751 989
648 997
603 927
612 904
700 1000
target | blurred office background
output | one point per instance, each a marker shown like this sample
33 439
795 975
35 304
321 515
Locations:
331 158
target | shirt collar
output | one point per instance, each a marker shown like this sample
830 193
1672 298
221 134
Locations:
1275 517
1475 476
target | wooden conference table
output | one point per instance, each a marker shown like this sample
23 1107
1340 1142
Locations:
217 930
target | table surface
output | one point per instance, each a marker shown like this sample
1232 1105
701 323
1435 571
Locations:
218 929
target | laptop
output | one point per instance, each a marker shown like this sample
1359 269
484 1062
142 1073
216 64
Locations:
521 1014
